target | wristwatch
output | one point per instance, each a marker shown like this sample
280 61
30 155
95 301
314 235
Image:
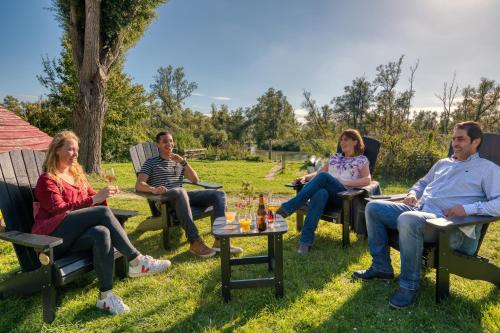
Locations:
184 162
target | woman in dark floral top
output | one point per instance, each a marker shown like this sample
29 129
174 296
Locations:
347 169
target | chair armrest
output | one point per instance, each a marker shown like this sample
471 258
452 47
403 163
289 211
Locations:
390 197
295 186
350 194
38 242
122 215
149 196
462 221
205 185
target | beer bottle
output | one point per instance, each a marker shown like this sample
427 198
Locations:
261 214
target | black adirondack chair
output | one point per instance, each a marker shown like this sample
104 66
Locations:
351 214
447 261
139 154
40 271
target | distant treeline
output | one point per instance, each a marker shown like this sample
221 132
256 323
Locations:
411 141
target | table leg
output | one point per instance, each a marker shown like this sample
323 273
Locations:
278 268
225 268
271 252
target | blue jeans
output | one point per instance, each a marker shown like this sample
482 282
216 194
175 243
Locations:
323 188
413 232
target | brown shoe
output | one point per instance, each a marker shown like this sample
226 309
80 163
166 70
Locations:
200 249
232 249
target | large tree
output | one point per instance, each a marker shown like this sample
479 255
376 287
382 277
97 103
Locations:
272 117
171 88
100 32
352 107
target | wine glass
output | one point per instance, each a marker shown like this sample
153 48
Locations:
273 203
109 176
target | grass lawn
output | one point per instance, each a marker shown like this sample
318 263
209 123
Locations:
319 294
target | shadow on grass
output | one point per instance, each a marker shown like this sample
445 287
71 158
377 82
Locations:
368 310
301 274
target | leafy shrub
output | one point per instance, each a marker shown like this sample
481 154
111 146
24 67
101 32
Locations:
282 145
320 147
231 151
405 157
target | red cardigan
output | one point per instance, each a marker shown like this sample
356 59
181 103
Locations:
56 204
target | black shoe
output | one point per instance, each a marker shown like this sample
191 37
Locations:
371 274
403 298
303 249
281 212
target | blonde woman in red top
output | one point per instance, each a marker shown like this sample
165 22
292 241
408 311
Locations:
70 209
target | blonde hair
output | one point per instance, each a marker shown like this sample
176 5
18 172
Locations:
51 160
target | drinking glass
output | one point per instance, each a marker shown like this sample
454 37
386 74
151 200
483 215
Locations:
109 176
245 221
230 215
273 203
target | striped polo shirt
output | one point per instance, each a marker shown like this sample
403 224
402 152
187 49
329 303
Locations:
163 172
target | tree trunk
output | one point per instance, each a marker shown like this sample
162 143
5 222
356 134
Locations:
88 121
270 149
88 116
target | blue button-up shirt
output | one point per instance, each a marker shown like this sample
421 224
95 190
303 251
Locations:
473 183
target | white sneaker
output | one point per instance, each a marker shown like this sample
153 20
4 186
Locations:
147 266
113 304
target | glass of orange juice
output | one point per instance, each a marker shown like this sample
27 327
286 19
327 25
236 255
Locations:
230 215
245 221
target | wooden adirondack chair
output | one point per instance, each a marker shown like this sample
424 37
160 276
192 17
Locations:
447 261
40 271
351 214
139 154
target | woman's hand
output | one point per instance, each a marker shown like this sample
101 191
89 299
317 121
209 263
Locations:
104 193
300 180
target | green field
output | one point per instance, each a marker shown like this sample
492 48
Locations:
319 294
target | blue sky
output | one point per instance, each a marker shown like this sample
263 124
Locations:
235 49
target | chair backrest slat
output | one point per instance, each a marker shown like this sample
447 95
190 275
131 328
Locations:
140 154
154 149
135 159
147 150
39 158
32 170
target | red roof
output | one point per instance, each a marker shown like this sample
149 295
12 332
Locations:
16 133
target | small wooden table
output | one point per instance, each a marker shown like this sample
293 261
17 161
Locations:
274 258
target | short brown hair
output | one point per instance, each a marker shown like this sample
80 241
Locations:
473 129
354 134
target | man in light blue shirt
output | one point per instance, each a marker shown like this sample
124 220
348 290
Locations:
461 185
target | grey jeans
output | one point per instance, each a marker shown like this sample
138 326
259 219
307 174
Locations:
96 229
182 201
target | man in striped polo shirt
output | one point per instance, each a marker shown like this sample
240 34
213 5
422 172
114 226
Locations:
163 174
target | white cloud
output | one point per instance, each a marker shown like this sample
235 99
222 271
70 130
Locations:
197 94
221 98
300 115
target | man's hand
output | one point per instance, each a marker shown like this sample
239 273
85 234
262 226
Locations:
410 200
455 211
176 158
159 190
